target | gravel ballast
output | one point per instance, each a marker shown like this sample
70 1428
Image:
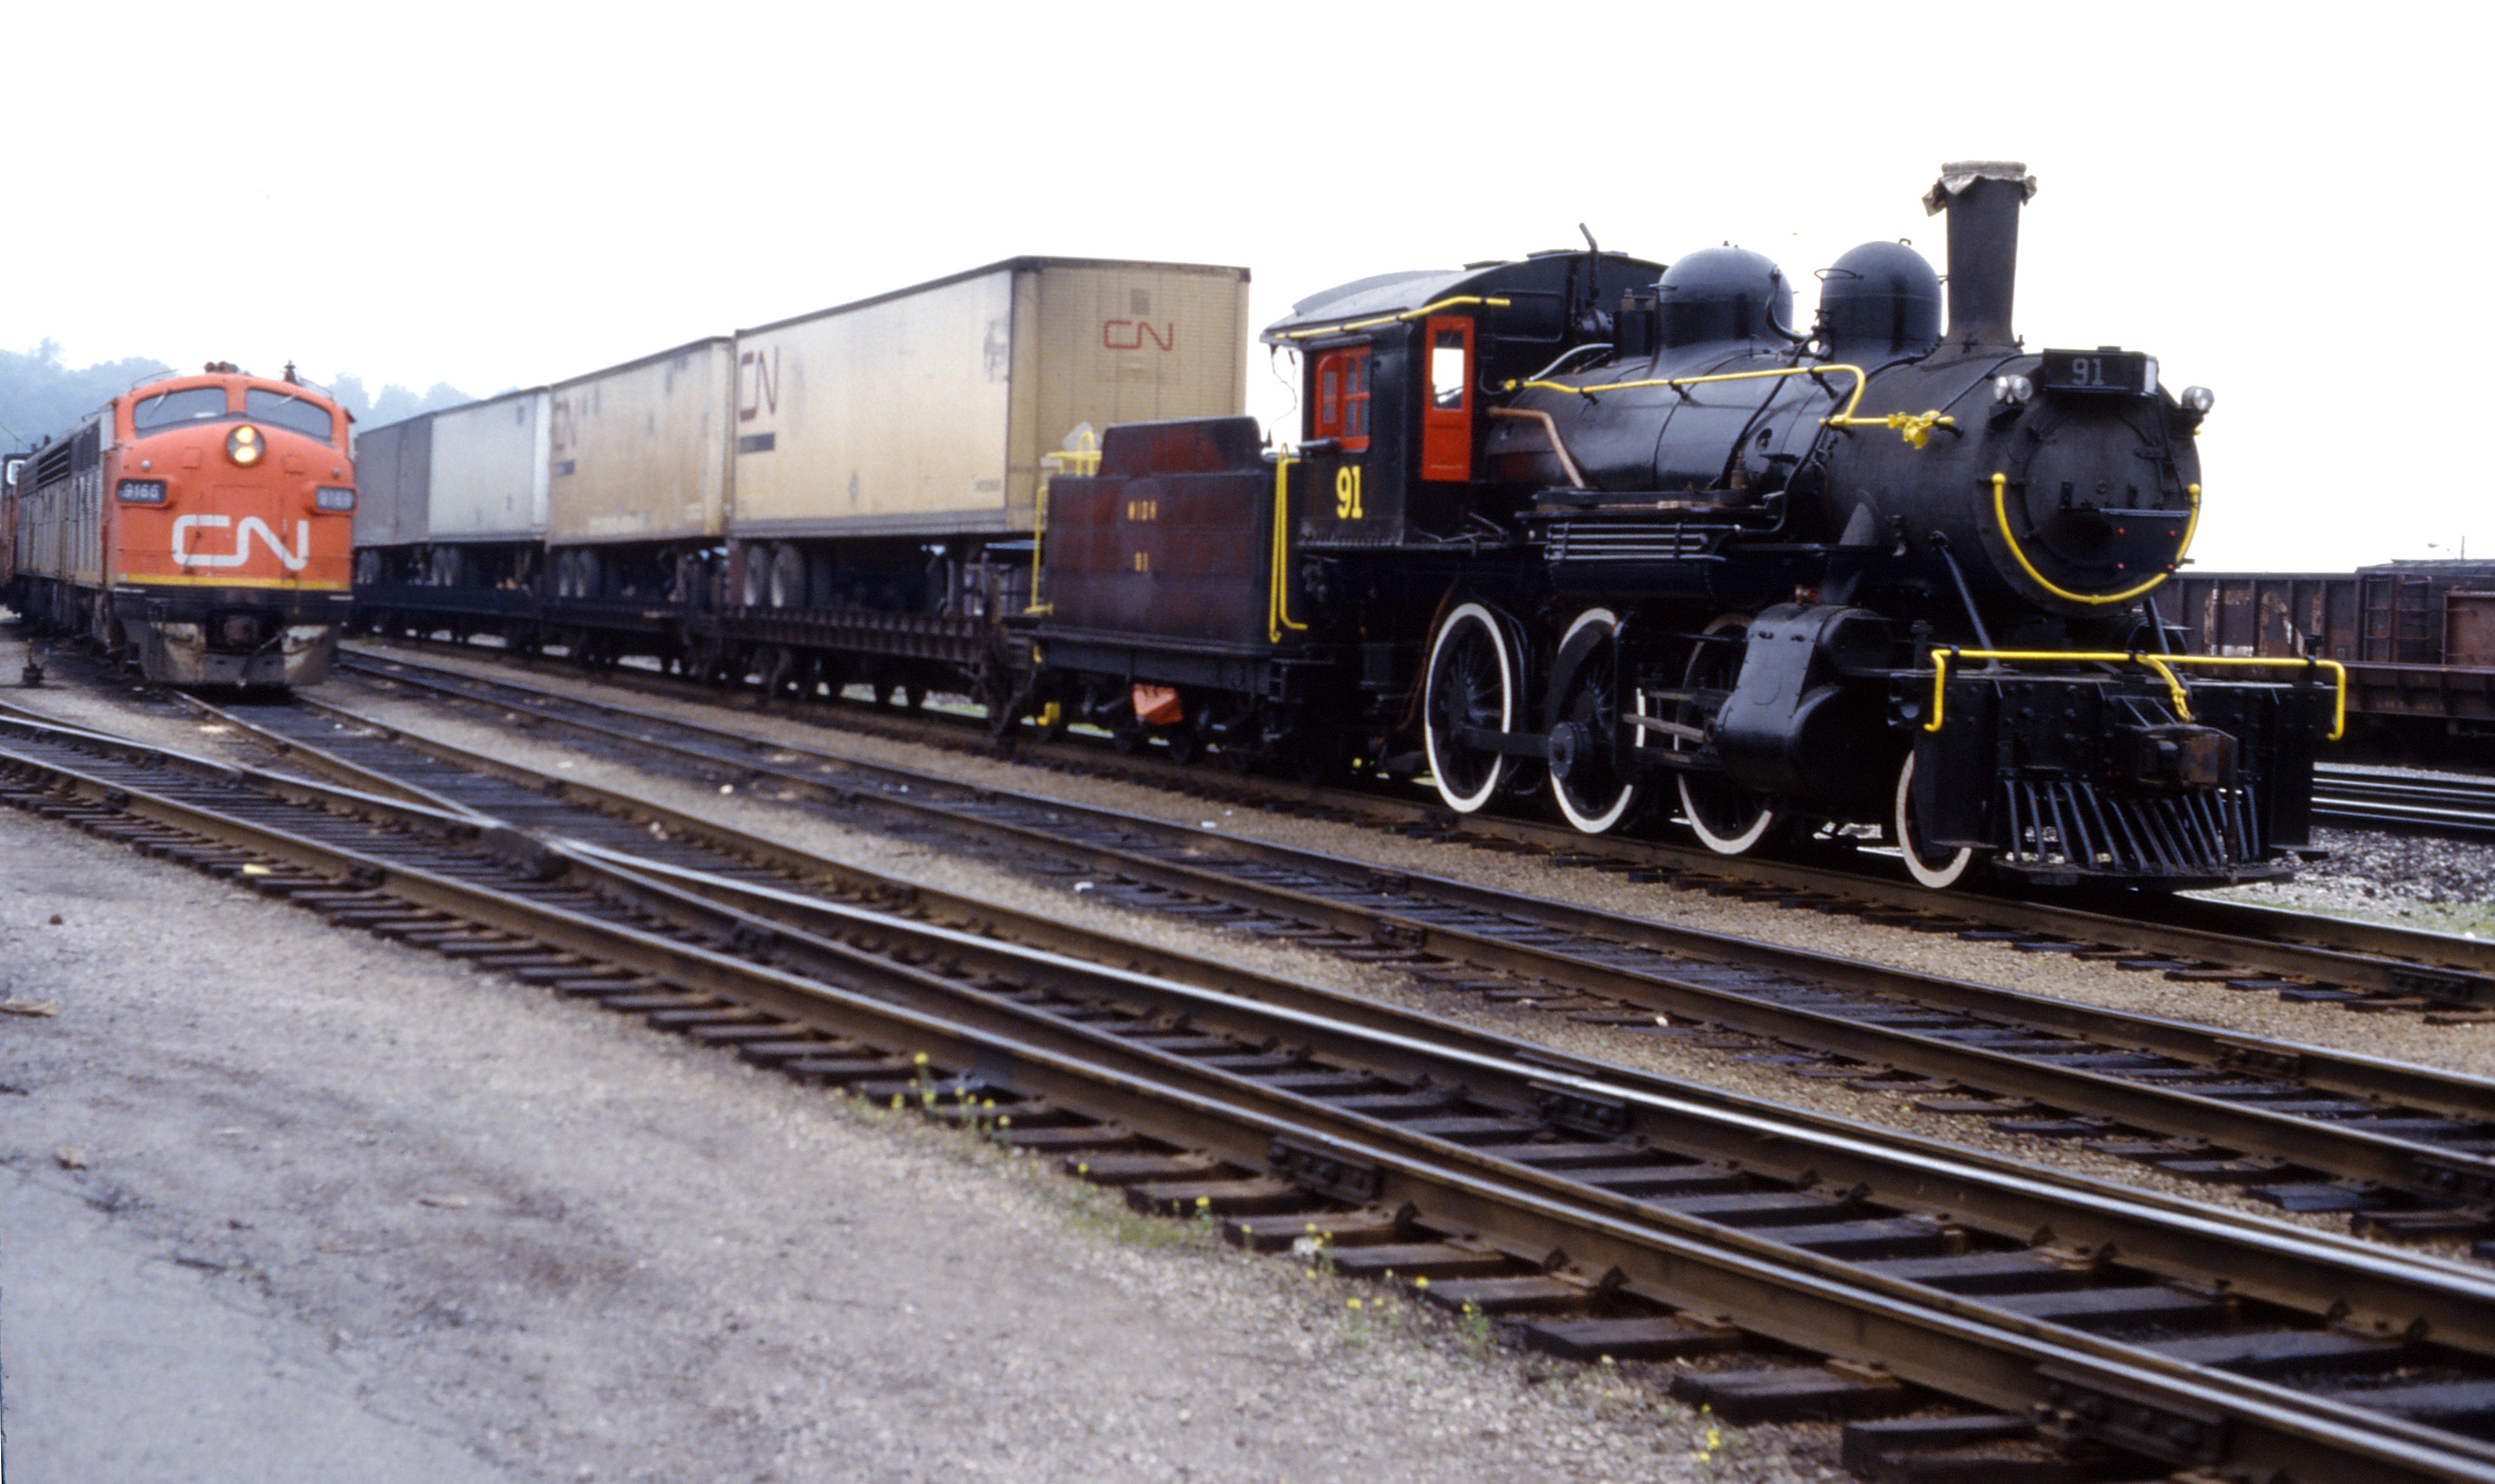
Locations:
610 1199
287 1203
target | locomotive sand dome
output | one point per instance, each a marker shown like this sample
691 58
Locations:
1585 522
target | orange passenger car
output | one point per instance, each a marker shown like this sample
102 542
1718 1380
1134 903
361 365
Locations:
198 527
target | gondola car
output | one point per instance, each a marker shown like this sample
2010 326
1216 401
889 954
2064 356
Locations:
197 528
2418 638
1618 531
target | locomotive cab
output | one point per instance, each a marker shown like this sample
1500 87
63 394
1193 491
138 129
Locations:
1396 382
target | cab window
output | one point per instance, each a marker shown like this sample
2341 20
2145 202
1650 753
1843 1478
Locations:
288 410
1340 409
174 409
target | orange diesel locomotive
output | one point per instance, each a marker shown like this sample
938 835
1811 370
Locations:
198 527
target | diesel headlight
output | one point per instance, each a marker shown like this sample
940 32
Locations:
139 491
333 498
245 447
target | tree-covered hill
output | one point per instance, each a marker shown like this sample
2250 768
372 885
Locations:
41 398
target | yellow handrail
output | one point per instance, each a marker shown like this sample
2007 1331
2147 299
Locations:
1084 460
2162 664
1348 325
1917 427
1278 603
2001 513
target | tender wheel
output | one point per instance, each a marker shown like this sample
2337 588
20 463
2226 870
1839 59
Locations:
1939 870
1183 742
1585 778
1727 818
1472 683
788 585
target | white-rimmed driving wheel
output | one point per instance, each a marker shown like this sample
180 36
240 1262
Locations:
1939 870
1472 683
1725 816
1586 779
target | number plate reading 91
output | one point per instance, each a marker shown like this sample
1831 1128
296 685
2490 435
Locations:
2119 371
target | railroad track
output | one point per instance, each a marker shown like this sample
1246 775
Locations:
2458 808
1599 1211
1834 876
2403 1149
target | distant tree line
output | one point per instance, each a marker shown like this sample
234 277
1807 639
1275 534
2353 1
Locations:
41 398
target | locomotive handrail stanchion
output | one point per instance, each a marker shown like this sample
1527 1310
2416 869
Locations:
1277 603
2001 514
2162 664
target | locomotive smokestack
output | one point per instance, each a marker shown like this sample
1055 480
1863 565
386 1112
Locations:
1982 198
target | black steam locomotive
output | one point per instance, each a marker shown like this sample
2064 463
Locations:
1586 522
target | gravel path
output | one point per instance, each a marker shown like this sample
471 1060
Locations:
283 1203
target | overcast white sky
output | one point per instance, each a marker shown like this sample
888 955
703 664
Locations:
2279 202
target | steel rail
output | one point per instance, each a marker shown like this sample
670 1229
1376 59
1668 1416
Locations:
1402 909
2186 1414
2384 958
2181 1239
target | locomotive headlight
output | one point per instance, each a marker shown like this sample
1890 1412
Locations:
333 498
245 446
2013 390
2199 400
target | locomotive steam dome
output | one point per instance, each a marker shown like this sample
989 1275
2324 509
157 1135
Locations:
1721 294
1879 301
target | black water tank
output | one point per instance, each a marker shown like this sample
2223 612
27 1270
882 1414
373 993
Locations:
1880 300
1721 294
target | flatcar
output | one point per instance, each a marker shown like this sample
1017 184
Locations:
1589 525
843 497
195 528
2418 639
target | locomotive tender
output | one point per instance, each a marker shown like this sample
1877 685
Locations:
196 526
1588 522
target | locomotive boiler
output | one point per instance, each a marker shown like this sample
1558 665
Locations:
1624 532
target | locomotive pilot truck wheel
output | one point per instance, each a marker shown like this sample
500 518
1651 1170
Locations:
1471 684
1936 869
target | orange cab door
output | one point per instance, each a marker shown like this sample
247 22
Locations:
1447 417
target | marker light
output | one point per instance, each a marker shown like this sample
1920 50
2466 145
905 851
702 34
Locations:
2199 399
330 497
2016 389
245 447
